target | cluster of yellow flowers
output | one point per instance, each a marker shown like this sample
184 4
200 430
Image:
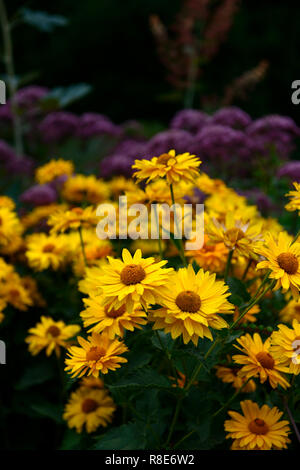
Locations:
126 292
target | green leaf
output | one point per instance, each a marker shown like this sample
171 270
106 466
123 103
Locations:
42 20
141 379
48 410
71 440
237 288
64 96
125 437
35 375
162 341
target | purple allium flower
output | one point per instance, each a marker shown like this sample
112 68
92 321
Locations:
198 197
93 124
21 165
58 125
116 164
39 195
290 170
176 139
7 153
258 197
216 142
26 100
233 117
190 120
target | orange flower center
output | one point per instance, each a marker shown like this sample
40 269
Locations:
188 301
235 234
53 331
89 405
297 308
0 221
265 359
258 426
14 293
288 262
132 274
77 210
163 159
114 313
95 353
48 248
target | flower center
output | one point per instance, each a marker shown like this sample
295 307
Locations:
163 159
188 301
77 210
89 405
14 293
132 274
0 221
297 309
265 359
114 313
235 234
53 331
258 426
48 248
95 353
288 262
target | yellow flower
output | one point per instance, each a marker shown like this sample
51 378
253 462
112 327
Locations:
54 169
80 188
31 287
90 283
111 321
285 346
50 335
211 257
283 259
290 312
46 251
250 315
6 201
14 293
257 361
294 204
135 279
230 375
10 226
91 382
174 167
227 201
73 218
239 235
39 215
89 408
257 428
118 185
96 354
209 185
191 305
180 380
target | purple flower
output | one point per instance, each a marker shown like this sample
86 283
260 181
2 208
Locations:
26 100
39 195
58 125
258 197
233 117
290 170
190 120
116 164
176 139
21 165
7 153
93 124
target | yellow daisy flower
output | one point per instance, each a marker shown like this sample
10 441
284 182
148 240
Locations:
14 293
135 279
91 382
81 188
10 226
257 361
52 170
90 283
89 408
111 321
290 312
118 185
46 251
50 335
230 375
8 202
31 286
211 257
257 428
283 259
74 218
209 185
191 305
96 354
294 204
285 346
250 315
242 236
174 167
39 215
227 201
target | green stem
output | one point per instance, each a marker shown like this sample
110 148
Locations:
247 269
231 399
174 421
10 71
228 264
82 245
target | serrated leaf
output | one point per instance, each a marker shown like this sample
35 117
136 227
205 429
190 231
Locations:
42 20
125 437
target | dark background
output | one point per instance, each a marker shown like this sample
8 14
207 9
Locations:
108 44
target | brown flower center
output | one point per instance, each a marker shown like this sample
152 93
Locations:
235 234
132 274
265 359
297 308
163 159
288 262
53 331
0 221
258 426
48 248
14 293
89 405
114 313
188 301
95 353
